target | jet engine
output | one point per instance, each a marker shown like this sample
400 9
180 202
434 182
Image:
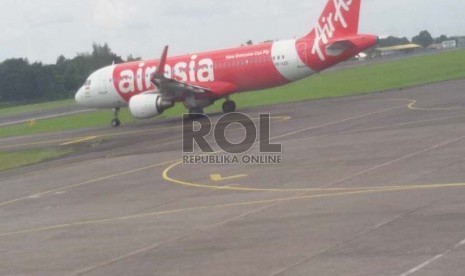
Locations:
145 106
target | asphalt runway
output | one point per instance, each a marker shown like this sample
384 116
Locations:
369 185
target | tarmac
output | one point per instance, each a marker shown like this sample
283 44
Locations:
368 185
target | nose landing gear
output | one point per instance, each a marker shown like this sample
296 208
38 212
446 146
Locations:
195 113
116 122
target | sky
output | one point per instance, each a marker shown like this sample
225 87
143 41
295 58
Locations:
42 30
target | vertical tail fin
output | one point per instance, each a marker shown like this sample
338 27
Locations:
339 18
335 37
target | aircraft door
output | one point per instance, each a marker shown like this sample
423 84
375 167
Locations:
103 85
302 54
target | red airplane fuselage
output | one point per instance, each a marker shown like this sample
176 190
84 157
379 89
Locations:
200 79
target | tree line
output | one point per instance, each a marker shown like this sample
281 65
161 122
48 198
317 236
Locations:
23 81
424 38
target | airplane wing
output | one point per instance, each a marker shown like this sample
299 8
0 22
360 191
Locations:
176 88
166 85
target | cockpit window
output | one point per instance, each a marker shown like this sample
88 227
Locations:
88 82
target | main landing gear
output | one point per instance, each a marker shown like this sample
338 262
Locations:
116 122
229 106
195 112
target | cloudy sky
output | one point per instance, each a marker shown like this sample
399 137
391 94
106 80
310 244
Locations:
41 30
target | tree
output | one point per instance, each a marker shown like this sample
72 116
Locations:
441 39
393 41
102 56
424 39
16 80
26 82
131 58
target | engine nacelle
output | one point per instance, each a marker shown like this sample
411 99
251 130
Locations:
146 106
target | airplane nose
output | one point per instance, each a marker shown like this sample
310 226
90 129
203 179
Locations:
78 96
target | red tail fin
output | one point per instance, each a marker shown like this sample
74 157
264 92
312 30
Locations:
339 18
335 37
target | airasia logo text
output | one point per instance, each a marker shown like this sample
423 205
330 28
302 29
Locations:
135 78
326 31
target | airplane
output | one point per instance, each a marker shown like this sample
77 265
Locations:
150 87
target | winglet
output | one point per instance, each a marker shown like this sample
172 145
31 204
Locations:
159 75
161 65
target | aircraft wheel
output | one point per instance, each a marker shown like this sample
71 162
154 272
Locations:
115 123
229 106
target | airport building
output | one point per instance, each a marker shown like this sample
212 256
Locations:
461 41
399 49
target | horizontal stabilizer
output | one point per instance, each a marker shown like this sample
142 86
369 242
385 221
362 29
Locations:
338 48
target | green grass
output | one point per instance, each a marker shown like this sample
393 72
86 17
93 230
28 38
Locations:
15 110
365 79
10 160
78 121
83 120
357 80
